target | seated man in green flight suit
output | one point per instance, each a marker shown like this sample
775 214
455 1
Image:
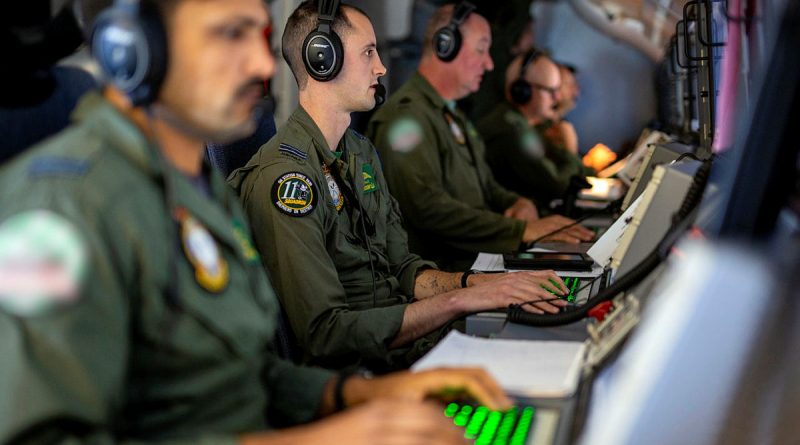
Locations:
331 233
517 153
133 307
434 158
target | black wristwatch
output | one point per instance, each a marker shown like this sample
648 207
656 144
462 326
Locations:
338 389
466 275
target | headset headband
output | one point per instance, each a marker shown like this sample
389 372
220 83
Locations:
460 14
531 57
327 13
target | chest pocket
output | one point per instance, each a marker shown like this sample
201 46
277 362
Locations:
200 326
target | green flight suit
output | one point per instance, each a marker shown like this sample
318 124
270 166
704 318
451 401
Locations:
143 352
519 159
434 163
316 247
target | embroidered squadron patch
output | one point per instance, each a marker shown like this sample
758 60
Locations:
337 200
370 184
532 145
43 262
405 134
294 194
210 267
455 129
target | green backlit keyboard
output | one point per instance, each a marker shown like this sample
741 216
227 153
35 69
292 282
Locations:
574 286
487 427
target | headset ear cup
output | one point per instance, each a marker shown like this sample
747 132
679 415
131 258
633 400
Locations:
323 55
447 43
131 50
521 92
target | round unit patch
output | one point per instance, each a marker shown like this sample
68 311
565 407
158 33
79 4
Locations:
294 194
43 262
405 134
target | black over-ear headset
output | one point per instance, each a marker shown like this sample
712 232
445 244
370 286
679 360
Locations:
447 40
130 45
521 90
322 49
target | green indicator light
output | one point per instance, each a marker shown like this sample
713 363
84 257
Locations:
466 409
461 420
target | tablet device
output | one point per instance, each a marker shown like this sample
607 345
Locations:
548 260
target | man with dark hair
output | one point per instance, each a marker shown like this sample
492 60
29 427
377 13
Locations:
434 159
133 306
331 233
518 155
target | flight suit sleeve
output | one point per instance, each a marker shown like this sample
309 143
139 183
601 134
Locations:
499 197
415 179
295 391
537 174
306 280
404 264
65 362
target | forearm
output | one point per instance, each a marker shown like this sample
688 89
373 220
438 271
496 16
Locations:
424 316
432 282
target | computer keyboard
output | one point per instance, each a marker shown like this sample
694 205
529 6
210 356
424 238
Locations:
488 427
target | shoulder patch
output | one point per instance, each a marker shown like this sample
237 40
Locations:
405 134
531 144
57 166
292 151
43 262
294 194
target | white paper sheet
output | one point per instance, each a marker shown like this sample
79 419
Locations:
547 369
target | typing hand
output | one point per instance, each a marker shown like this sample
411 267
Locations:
548 227
378 422
444 384
498 291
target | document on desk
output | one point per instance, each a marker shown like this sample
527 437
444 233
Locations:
544 369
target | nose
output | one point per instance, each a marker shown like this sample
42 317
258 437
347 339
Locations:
379 70
262 61
488 64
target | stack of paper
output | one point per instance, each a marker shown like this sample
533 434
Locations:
546 369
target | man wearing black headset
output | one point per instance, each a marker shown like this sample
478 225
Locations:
330 231
518 155
433 155
133 306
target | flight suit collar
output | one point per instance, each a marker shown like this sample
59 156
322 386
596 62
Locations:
124 136
421 84
303 119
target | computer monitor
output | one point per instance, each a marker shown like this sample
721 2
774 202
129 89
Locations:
678 372
656 154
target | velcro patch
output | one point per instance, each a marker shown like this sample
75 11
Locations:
43 261
370 183
57 166
294 194
405 134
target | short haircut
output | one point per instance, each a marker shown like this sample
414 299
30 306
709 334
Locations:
302 22
440 18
